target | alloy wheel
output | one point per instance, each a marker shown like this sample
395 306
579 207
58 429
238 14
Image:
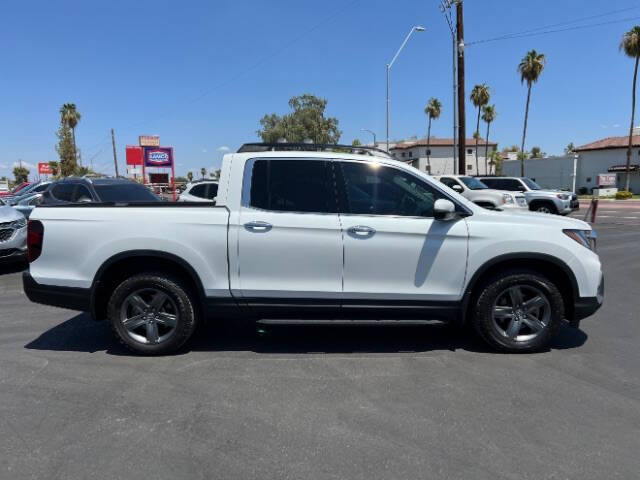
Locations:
521 313
149 316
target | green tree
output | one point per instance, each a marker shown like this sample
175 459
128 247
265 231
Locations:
306 122
433 111
480 96
489 114
569 149
530 68
631 46
496 162
66 151
190 176
70 116
536 152
203 172
356 142
20 173
55 168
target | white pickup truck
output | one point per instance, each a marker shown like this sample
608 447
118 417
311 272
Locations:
315 236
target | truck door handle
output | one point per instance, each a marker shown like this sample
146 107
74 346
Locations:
362 231
258 227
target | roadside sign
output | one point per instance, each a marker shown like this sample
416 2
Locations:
134 155
158 157
606 179
45 169
149 140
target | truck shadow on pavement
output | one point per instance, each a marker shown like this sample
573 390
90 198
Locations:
13 267
82 334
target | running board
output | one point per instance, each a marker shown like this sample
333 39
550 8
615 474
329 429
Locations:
285 321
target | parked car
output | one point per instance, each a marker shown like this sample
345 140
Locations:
27 204
202 191
539 200
319 235
481 194
37 187
14 190
13 234
90 190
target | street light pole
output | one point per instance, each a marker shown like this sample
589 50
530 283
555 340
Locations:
417 28
375 144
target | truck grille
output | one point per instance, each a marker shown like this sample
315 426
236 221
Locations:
6 234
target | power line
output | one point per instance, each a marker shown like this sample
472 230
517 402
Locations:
536 31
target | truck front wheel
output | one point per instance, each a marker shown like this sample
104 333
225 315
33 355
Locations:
152 314
544 207
518 311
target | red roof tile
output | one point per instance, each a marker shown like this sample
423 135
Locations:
610 142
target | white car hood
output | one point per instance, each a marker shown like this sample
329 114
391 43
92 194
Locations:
546 219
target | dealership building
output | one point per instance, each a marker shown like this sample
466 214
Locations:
437 158
580 171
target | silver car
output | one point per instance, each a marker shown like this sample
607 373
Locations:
26 205
13 234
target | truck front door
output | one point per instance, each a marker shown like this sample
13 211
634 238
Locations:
395 252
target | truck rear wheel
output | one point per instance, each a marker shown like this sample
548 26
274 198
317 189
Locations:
152 314
519 311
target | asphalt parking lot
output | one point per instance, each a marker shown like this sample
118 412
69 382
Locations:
365 403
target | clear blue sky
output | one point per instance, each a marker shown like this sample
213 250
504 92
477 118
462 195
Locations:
202 73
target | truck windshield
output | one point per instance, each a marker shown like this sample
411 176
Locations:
123 193
473 183
531 184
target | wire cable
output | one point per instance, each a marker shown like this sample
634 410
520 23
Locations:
536 31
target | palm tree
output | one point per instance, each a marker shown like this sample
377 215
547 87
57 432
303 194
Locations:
480 96
631 46
488 115
530 69
190 176
70 116
433 110
203 172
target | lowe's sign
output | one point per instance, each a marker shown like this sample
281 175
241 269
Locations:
158 156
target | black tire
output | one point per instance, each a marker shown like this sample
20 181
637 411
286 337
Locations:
496 332
179 302
544 207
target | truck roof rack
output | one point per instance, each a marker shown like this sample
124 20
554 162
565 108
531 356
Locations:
312 147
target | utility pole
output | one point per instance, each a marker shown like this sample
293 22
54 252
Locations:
445 8
115 157
462 131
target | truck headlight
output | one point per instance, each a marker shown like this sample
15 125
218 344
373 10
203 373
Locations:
506 198
586 238
563 196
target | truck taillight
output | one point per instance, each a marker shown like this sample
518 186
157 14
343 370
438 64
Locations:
35 237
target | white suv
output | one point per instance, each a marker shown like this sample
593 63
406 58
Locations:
480 194
203 191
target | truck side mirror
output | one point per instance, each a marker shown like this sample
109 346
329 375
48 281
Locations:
444 210
457 188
